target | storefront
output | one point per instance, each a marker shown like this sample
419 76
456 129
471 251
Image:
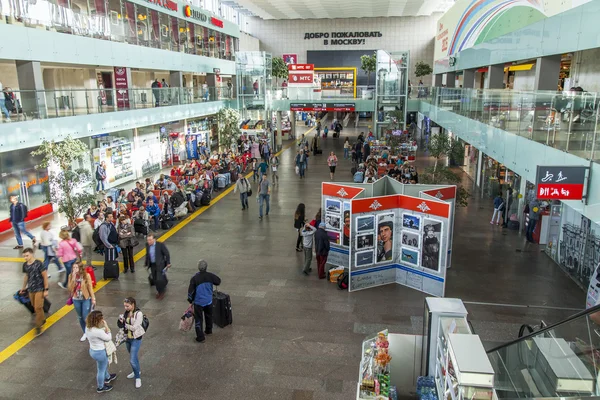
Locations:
201 132
116 151
470 161
495 177
18 176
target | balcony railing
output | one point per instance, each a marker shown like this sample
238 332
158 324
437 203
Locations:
123 22
319 93
42 104
566 121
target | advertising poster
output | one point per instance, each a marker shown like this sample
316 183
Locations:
122 87
191 145
593 294
385 237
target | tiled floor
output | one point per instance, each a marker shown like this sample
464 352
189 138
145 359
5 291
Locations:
293 337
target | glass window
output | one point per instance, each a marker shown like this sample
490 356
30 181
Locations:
165 27
154 29
142 27
115 19
184 42
129 23
191 38
174 33
205 42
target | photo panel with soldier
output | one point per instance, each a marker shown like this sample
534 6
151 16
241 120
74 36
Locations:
431 244
385 238
332 222
346 228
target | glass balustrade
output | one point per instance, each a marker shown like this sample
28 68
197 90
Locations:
29 104
565 121
562 360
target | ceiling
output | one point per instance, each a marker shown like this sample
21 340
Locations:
310 9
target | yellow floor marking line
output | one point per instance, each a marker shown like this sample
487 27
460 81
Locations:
64 310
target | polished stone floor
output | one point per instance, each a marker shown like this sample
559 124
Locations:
293 337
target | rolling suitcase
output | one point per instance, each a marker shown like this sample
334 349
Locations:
111 270
221 309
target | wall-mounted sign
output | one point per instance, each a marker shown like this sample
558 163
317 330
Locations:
216 22
190 12
560 183
343 38
216 70
168 4
322 107
290 58
301 67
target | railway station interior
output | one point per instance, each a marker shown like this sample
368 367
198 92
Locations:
269 199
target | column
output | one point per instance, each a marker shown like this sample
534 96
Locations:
92 94
211 81
469 78
293 124
279 139
547 70
450 79
29 75
176 87
479 166
437 82
495 77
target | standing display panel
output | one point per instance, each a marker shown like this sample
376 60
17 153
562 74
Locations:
335 212
400 239
388 232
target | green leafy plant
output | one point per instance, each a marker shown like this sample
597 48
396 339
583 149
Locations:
368 64
280 69
228 126
70 188
422 69
440 146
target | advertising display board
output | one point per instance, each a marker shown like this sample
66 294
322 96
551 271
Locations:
560 183
391 238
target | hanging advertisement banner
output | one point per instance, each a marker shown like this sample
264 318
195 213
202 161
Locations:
191 146
122 87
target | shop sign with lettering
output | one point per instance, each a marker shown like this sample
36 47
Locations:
168 4
560 183
322 107
343 38
190 12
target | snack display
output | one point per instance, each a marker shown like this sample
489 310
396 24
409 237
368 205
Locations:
374 369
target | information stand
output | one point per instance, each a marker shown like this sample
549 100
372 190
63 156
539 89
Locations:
387 232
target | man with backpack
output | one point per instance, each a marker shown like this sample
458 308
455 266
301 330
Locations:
200 294
18 213
109 238
498 209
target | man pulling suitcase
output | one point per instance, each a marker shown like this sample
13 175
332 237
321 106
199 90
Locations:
158 260
200 294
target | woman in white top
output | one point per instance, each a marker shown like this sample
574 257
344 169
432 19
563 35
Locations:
48 244
274 162
332 163
131 323
98 334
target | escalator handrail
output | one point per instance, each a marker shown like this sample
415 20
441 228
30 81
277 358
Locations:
586 312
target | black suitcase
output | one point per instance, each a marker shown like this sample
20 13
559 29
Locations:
47 305
222 309
111 269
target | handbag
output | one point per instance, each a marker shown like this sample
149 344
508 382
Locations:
70 301
187 320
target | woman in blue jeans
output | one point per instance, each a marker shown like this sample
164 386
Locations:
131 323
82 293
98 334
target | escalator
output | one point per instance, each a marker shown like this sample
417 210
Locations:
559 360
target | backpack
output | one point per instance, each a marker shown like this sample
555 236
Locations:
96 238
25 210
177 199
205 199
75 234
145 323
342 280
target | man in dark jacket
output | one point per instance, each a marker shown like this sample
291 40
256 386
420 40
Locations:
321 249
158 260
109 237
18 213
200 294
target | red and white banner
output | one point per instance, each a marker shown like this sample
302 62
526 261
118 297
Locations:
301 67
372 204
122 87
446 193
341 191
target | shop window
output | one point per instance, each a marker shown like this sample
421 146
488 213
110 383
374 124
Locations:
165 30
183 36
115 19
129 23
191 38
